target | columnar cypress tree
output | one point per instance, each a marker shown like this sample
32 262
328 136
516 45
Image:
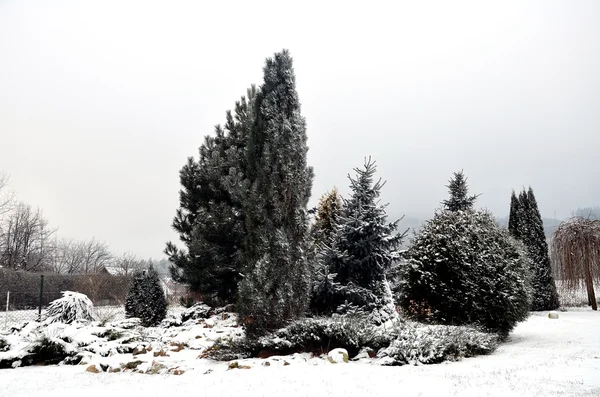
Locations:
459 199
514 215
545 296
146 298
525 224
277 278
210 220
361 251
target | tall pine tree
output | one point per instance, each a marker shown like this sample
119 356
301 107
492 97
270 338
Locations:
210 220
525 224
355 262
276 285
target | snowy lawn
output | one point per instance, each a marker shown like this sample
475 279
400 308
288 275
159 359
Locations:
542 357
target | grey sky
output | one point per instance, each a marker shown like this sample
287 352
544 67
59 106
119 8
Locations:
102 101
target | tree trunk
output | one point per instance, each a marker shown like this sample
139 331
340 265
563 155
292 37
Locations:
590 288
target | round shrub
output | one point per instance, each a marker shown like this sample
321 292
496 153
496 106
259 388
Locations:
463 268
72 307
146 298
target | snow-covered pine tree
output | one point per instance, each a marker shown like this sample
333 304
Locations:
146 298
210 219
462 268
277 277
529 228
459 199
361 251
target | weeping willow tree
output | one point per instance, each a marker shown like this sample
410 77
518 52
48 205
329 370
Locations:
576 250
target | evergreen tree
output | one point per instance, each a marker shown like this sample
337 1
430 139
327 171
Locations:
463 268
514 215
146 298
210 220
277 189
355 262
459 199
529 228
328 213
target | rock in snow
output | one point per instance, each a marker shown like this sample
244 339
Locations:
337 356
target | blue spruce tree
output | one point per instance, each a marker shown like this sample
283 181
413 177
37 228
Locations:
354 264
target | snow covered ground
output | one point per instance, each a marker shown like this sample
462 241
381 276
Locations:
543 357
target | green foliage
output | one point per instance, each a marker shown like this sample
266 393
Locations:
146 298
275 194
4 345
525 224
316 335
354 263
210 220
46 350
463 268
432 344
459 199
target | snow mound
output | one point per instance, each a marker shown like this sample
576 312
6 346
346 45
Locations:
337 356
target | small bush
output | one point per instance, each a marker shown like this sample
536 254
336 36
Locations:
187 301
47 350
197 311
113 334
72 307
146 298
4 345
432 344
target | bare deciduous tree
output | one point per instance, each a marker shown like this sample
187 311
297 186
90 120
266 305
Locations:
25 239
576 252
6 195
127 263
96 256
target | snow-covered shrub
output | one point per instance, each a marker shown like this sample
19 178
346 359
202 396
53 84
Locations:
430 344
317 335
146 298
197 311
48 345
72 307
4 345
47 350
464 269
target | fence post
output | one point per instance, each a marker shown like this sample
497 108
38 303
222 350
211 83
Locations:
6 314
41 294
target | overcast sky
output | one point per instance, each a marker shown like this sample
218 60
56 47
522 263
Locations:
102 101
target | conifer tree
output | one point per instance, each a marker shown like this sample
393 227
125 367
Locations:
276 281
514 215
463 268
210 220
459 199
146 298
328 213
525 224
355 262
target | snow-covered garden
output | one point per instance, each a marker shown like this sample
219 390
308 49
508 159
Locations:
542 357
